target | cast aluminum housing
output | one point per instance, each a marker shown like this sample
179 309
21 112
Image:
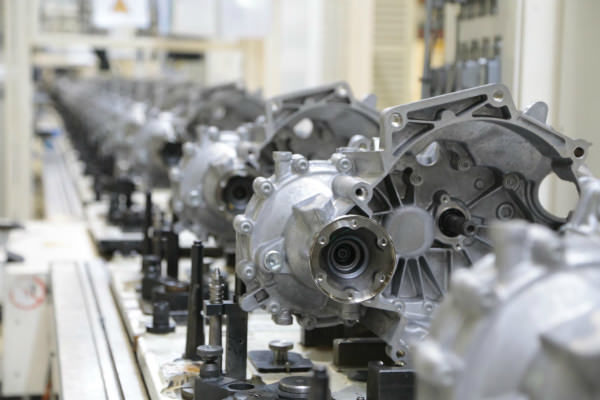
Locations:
224 106
213 182
373 236
141 125
155 148
525 323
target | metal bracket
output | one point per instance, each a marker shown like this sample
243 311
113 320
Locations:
264 361
390 382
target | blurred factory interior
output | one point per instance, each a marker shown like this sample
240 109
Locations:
399 51
277 46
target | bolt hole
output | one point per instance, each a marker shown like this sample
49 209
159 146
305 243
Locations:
240 386
569 196
470 229
361 193
396 120
578 152
498 96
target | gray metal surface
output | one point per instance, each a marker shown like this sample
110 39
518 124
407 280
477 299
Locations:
94 359
60 194
523 323
448 166
142 124
213 182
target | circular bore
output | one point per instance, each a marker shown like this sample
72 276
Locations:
350 259
347 256
237 193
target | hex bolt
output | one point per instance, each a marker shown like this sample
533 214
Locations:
505 211
273 261
344 165
211 356
511 181
280 350
161 320
300 164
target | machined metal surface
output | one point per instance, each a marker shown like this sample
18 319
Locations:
213 182
522 323
447 168
94 360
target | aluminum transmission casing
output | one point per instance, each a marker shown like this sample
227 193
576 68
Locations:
213 182
523 323
373 236
225 106
156 148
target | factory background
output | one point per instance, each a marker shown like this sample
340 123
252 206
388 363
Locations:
378 46
234 199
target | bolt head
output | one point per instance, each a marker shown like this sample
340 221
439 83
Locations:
249 271
505 211
273 261
300 164
511 181
266 188
344 165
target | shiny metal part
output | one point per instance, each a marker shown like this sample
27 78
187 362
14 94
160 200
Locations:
215 292
214 181
447 168
523 322
92 349
141 126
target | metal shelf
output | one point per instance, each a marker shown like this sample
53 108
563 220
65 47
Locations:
136 42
